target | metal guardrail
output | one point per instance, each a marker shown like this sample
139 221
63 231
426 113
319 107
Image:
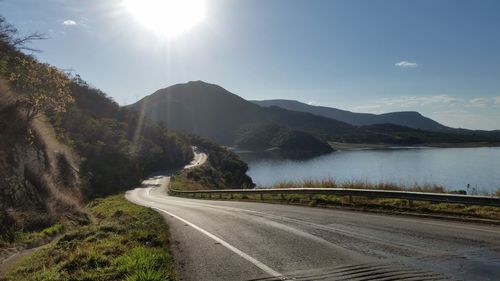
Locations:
406 195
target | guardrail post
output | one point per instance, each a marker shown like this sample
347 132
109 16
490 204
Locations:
230 196
282 196
261 196
410 203
350 199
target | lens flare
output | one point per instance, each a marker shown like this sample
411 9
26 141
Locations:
167 17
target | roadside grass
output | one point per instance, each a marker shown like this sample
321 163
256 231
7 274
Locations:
362 203
181 181
330 183
36 238
124 241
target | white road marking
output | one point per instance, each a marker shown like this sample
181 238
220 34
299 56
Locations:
235 250
462 227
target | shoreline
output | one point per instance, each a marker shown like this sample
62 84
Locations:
362 146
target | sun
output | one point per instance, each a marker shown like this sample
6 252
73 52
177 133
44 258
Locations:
167 17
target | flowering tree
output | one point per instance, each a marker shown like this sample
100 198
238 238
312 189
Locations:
40 87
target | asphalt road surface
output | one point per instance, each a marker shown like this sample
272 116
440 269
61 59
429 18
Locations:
228 240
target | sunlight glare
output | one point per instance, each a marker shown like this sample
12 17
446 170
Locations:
167 17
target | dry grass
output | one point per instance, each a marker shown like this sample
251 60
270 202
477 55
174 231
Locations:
359 202
386 205
330 183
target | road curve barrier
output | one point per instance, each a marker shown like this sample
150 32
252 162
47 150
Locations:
369 193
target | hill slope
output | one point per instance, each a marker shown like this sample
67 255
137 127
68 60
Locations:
211 111
39 176
409 119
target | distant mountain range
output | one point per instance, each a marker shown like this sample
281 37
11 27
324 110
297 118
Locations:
213 112
410 119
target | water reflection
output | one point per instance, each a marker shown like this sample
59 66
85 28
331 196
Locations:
453 168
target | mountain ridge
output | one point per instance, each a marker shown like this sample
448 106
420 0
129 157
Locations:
211 111
411 119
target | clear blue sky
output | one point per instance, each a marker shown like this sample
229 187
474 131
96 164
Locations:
438 57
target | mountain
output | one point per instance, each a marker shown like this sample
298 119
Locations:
409 119
211 111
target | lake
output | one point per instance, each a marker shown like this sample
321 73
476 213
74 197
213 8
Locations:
452 168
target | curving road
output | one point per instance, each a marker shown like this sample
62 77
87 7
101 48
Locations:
227 240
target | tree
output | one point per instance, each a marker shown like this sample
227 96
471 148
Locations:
9 37
40 87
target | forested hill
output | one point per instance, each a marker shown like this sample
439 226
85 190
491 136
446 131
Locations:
119 147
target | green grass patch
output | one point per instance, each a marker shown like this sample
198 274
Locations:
39 237
124 242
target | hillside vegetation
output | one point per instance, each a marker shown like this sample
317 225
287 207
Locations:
119 147
39 179
281 141
223 170
63 142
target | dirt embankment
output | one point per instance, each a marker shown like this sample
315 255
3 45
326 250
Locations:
39 178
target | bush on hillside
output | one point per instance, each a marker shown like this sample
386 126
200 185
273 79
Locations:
225 170
281 140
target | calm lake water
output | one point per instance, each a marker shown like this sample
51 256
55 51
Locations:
452 168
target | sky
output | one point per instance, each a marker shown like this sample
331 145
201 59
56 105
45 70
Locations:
441 58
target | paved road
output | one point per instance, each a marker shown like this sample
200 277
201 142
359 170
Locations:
225 240
199 158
